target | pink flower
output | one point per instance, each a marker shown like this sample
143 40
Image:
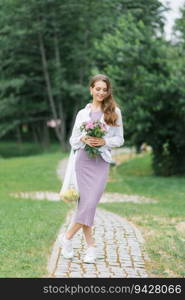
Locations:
89 125
103 127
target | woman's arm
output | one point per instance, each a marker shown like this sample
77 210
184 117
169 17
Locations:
117 139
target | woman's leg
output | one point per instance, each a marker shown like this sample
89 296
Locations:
88 235
71 232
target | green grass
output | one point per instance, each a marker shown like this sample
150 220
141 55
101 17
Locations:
28 228
157 221
12 149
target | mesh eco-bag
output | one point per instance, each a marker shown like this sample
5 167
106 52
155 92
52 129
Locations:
69 191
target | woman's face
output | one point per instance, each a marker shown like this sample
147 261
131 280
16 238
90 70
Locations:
99 91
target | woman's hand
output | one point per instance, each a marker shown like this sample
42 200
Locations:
93 141
96 142
85 139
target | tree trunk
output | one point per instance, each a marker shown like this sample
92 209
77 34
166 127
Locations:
35 136
61 112
39 132
18 135
72 121
48 86
45 136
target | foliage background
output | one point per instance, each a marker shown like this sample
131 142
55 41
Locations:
49 49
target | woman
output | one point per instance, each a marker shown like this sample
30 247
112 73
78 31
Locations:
92 173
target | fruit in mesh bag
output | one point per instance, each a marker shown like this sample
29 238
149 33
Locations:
70 195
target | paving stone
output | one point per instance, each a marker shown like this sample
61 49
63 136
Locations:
115 258
61 275
89 274
75 274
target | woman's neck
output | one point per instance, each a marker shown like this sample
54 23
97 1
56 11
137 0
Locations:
95 106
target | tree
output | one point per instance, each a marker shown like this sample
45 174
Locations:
145 73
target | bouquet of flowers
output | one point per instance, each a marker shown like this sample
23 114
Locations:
94 129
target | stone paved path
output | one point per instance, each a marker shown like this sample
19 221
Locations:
106 197
119 250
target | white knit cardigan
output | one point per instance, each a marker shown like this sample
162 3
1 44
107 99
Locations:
113 138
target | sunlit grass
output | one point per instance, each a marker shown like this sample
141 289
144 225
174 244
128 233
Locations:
28 228
157 221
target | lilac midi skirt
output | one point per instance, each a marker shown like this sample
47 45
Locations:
91 175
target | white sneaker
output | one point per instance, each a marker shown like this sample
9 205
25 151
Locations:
90 255
67 247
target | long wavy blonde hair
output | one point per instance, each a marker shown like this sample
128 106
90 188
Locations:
108 104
